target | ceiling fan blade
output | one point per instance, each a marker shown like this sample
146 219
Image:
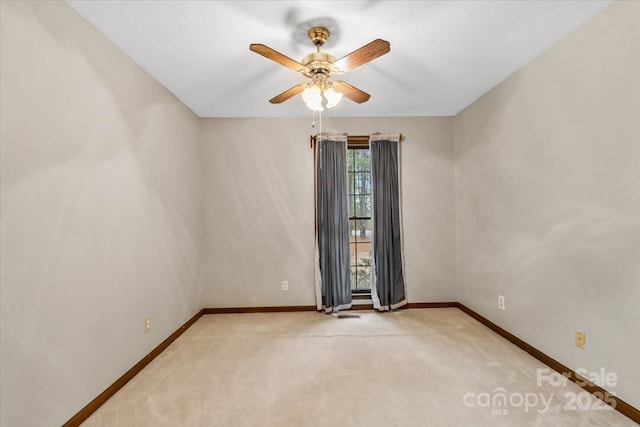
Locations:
351 92
289 93
366 53
276 56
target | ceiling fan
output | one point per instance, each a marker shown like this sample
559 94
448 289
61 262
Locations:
319 67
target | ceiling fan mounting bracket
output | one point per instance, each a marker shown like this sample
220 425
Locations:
318 36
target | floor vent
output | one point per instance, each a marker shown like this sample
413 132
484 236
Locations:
349 316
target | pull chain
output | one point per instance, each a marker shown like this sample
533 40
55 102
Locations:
320 119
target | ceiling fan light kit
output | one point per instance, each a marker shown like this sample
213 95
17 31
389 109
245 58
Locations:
319 67
318 90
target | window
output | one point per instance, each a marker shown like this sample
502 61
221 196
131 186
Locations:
359 175
345 221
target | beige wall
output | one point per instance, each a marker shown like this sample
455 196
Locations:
101 213
548 199
259 208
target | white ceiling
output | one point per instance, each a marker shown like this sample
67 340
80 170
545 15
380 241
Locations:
444 54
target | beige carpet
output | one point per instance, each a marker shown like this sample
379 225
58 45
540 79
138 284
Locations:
435 367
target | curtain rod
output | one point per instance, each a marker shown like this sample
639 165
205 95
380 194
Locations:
351 139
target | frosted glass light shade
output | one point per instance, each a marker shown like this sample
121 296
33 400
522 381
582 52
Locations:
312 97
332 97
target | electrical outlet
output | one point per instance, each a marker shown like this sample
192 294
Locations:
147 324
285 285
501 304
580 339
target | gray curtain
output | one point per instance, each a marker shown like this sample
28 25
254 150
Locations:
388 289
332 219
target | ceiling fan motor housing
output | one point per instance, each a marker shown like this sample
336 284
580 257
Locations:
318 63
